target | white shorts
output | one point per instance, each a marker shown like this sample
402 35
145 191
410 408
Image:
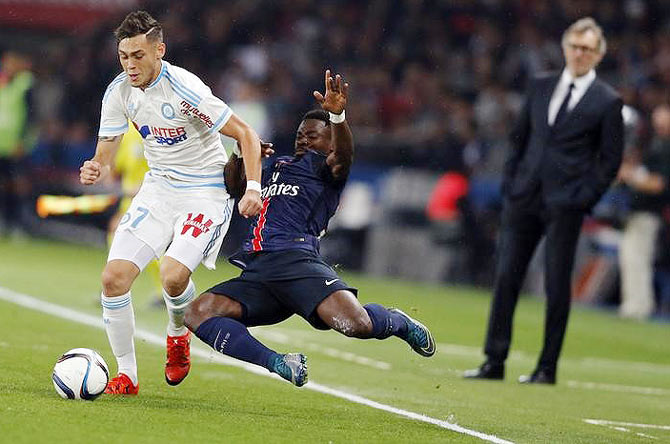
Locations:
187 224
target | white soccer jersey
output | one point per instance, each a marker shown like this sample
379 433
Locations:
179 119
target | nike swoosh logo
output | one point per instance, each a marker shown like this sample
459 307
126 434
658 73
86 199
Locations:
331 282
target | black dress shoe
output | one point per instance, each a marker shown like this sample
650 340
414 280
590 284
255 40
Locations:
486 371
541 376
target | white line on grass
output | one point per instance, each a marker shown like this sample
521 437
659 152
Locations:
94 321
282 338
619 388
604 422
649 367
471 351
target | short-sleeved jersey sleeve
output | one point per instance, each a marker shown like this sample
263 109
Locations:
213 111
113 119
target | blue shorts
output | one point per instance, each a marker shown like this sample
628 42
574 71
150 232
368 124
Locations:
278 284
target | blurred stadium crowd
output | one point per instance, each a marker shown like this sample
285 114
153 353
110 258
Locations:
435 86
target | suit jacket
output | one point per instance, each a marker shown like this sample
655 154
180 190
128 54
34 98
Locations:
573 162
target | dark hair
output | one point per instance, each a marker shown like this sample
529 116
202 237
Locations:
139 22
317 114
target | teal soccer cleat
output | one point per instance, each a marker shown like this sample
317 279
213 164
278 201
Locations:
418 335
292 367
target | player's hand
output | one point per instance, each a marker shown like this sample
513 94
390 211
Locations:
90 172
266 149
335 99
250 204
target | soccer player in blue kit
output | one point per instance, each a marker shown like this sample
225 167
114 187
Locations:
283 273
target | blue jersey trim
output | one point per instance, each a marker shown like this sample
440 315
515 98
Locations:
115 305
212 241
118 79
181 94
202 185
108 129
192 98
160 75
184 87
225 115
197 176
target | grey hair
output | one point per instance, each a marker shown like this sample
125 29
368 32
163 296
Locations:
581 26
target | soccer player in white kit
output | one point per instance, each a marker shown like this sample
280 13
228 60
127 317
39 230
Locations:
183 209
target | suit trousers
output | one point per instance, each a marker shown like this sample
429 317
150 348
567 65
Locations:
522 228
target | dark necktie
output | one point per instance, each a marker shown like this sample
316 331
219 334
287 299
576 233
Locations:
563 110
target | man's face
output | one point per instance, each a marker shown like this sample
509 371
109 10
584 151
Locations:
13 63
661 121
141 59
313 134
582 53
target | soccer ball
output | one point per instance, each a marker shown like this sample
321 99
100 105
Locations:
80 373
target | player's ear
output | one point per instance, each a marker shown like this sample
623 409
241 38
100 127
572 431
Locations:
160 49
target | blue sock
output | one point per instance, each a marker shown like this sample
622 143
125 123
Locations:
386 323
231 337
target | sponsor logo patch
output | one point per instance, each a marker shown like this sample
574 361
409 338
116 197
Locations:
164 136
196 224
189 110
168 111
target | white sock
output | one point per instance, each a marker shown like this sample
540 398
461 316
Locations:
119 318
176 307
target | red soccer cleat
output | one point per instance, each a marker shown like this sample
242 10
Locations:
178 361
122 385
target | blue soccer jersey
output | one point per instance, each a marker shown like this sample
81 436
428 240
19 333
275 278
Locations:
299 196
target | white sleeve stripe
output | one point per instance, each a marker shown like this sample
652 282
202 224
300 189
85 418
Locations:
221 121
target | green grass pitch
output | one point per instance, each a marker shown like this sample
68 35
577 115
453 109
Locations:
612 370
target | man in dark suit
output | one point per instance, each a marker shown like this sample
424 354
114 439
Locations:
566 149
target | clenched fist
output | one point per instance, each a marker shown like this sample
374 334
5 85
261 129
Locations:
91 172
250 204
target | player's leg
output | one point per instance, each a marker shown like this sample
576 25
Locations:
342 312
198 233
326 301
153 267
128 255
178 292
221 322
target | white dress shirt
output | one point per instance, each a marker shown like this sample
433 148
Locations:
581 85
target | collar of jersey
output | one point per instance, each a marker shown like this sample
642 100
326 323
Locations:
316 152
160 75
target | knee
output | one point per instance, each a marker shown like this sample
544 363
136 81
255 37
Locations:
174 278
209 305
509 278
116 279
358 326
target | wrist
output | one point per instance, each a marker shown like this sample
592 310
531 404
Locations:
336 118
253 185
640 175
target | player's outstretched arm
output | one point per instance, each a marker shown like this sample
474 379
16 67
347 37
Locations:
95 169
247 139
234 171
334 101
